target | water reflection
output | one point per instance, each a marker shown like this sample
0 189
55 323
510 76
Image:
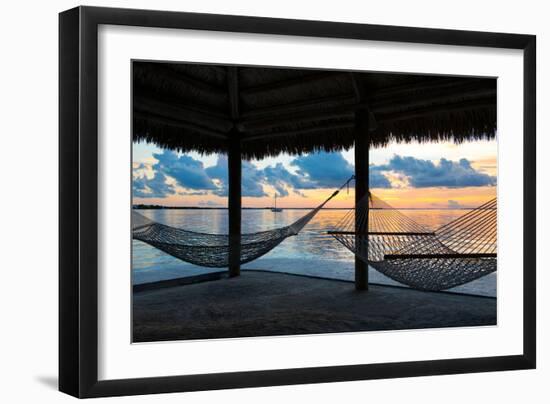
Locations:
311 252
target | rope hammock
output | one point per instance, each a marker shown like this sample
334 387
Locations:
398 247
212 250
395 245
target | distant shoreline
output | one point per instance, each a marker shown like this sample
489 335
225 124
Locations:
159 207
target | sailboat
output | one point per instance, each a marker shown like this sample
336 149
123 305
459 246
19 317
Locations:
275 208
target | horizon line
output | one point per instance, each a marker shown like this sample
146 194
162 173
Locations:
152 207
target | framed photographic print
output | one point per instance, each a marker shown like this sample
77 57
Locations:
250 201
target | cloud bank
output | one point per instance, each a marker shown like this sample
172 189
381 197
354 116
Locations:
184 175
447 173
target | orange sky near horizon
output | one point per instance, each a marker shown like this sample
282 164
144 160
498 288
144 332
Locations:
399 198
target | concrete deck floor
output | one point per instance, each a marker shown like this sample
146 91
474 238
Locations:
264 303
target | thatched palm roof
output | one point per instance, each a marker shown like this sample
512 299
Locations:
201 107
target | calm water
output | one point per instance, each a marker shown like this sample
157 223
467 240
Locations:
312 252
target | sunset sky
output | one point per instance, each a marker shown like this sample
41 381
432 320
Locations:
428 175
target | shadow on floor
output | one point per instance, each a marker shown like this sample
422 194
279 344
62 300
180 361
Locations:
269 304
49 381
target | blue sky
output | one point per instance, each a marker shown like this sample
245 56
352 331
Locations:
445 169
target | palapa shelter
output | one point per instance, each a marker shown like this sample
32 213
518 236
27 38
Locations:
254 112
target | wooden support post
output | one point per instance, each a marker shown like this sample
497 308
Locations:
234 203
234 162
361 186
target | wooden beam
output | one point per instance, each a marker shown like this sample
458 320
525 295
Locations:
234 203
234 162
301 132
438 256
391 105
489 102
398 91
361 176
345 111
183 78
358 87
294 117
373 99
361 188
182 113
166 99
317 104
348 111
289 83
233 90
449 88
381 233
176 123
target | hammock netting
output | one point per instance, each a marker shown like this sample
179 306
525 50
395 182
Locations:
389 241
398 247
212 250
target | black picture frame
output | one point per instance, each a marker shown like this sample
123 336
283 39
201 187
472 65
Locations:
78 196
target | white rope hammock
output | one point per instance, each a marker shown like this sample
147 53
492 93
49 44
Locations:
395 245
457 253
212 250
